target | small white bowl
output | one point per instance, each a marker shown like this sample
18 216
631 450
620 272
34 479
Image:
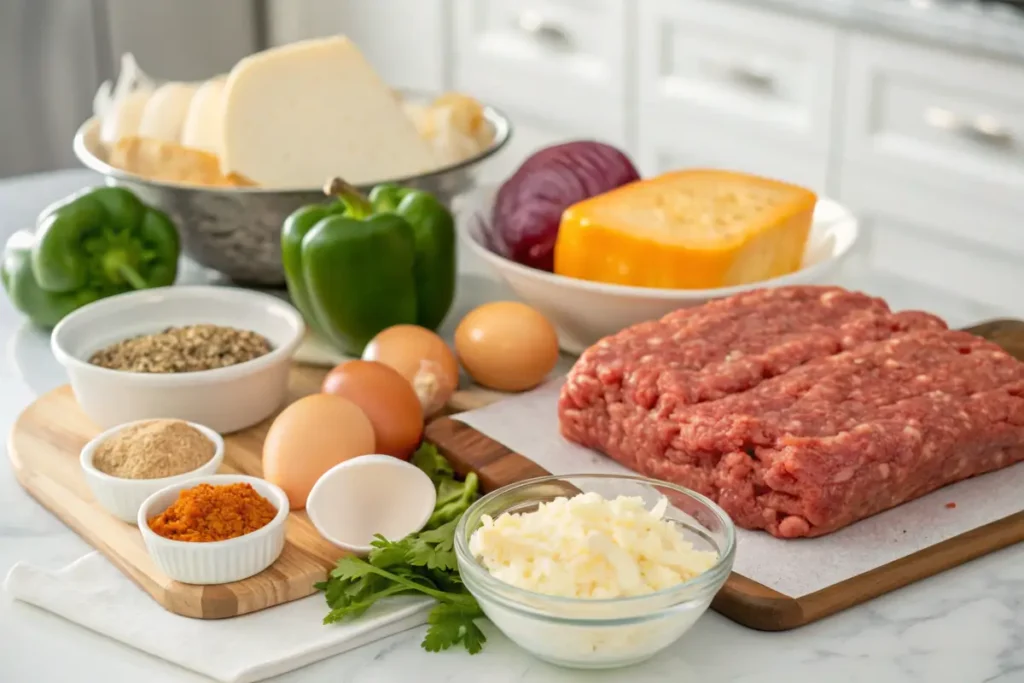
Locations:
583 312
123 497
225 399
216 561
368 495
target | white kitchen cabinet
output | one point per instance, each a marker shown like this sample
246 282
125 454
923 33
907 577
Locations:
557 66
710 61
946 121
686 145
931 158
405 40
734 86
923 235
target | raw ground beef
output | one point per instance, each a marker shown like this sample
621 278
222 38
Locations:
799 409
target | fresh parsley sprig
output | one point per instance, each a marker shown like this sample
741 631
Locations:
423 562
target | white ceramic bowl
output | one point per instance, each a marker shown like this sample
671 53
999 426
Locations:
583 312
368 495
123 497
216 561
225 399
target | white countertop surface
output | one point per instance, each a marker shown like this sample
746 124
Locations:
963 626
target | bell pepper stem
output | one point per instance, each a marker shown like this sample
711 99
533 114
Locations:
359 206
131 276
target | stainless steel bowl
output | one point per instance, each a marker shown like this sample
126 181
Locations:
237 231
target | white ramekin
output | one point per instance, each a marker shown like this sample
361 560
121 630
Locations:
123 497
216 561
225 399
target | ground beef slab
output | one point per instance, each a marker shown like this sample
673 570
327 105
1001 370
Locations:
799 410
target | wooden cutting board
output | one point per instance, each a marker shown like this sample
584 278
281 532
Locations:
44 447
741 599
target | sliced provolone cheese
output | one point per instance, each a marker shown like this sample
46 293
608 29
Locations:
204 123
164 114
123 118
299 114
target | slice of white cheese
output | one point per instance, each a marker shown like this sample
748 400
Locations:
204 123
299 114
164 114
123 118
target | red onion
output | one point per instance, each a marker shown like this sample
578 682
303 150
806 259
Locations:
529 205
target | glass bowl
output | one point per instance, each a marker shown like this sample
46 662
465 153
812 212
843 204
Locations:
598 633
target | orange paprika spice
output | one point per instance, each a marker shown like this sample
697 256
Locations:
207 513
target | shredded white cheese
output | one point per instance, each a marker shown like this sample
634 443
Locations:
589 547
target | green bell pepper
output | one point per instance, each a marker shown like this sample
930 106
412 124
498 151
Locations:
434 231
357 266
90 245
43 308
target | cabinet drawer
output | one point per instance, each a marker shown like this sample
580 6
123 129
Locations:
712 60
944 215
951 121
660 154
912 252
930 237
562 60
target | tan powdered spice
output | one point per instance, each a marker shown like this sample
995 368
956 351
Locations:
153 449
183 349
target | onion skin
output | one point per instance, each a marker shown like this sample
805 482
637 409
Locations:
422 358
529 205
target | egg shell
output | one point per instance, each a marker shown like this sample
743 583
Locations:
311 436
388 400
507 345
369 495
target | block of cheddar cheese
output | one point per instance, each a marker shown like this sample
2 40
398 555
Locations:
693 229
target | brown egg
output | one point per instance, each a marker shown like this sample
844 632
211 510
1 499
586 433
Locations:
506 345
310 437
388 400
423 358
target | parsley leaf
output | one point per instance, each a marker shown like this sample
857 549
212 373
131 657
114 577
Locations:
349 568
453 499
453 624
387 553
433 463
422 563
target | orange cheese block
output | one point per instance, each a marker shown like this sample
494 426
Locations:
694 229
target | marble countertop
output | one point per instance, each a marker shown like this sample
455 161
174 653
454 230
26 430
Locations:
991 28
963 626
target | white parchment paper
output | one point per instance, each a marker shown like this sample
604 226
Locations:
528 424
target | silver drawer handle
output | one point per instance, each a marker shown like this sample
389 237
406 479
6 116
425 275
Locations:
984 128
989 128
751 76
544 30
